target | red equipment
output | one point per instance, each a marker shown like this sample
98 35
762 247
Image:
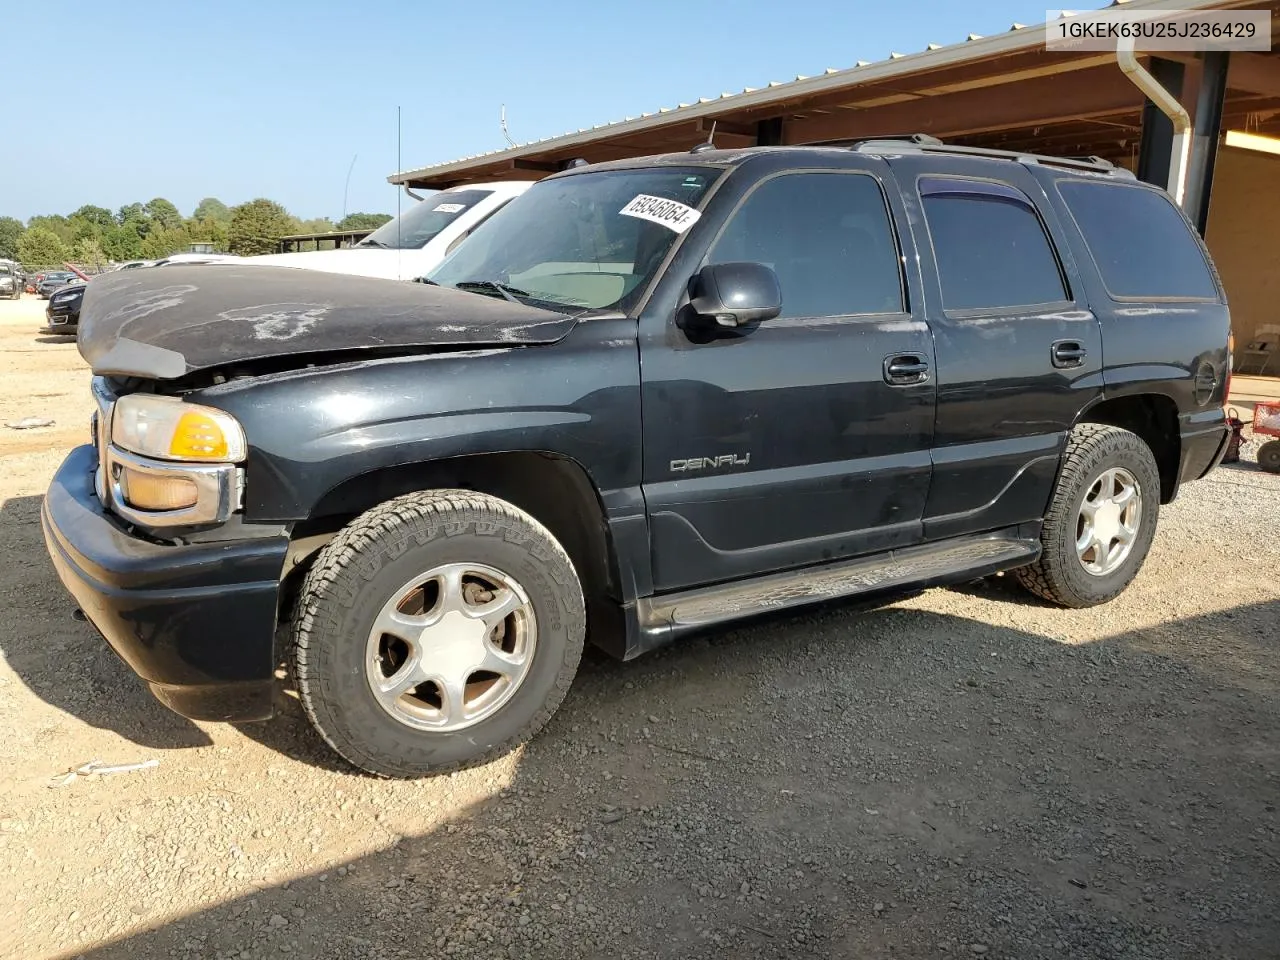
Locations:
1266 422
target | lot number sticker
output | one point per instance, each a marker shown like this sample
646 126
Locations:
449 208
670 213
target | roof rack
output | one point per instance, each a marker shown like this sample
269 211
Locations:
923 143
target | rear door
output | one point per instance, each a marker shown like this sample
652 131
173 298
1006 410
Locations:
1018 351
802 439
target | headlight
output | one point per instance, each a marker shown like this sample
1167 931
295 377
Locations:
168 429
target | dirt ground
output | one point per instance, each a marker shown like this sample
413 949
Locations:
969 773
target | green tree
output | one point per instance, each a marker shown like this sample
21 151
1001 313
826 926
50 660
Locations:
257 226
41 247
208 231
82 228
316 225
56 224
131 213
163 214
363 221
11 231
88 252
122 243
161 242
99 216
211 208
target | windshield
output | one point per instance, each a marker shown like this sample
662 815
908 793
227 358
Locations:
591 240
417 227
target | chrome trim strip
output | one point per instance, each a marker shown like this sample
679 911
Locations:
217 490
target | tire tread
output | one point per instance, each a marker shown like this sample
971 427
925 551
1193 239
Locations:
357 542
1045 578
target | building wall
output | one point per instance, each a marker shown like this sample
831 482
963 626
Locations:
1244 237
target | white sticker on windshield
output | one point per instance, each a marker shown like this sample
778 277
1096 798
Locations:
449 208
670 213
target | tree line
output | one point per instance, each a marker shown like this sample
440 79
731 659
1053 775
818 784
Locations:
94 236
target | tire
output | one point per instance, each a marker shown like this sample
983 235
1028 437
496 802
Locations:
1269 456
1062 575
357 580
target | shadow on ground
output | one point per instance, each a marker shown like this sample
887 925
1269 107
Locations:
64 661
864 791
895 783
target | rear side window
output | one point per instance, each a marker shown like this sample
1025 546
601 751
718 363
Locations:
990 246
1142 245
828 238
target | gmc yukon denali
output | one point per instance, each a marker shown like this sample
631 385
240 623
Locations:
646 398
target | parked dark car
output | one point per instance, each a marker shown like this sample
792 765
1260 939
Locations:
63 312
651 397
11 281
54 281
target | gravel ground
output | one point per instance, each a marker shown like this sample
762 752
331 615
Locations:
969 773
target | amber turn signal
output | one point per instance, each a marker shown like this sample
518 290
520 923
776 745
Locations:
198 437
146 491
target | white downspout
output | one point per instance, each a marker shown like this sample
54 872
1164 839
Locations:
1170 107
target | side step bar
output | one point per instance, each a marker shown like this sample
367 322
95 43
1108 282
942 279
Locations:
662 619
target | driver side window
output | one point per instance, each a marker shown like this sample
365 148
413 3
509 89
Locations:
827 236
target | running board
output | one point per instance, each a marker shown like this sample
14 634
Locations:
664 618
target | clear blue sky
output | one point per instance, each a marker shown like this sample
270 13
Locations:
272 98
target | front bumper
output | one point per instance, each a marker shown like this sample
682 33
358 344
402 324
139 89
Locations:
197 622
62 319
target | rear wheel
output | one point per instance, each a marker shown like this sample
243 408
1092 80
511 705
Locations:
1269 456
1101 519
436 631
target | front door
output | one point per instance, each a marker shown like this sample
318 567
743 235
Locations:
803 439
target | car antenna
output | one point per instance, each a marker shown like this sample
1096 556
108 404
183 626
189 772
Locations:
709 143
502 122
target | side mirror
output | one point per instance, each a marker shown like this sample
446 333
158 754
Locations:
734 294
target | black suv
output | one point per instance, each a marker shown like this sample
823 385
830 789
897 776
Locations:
646 398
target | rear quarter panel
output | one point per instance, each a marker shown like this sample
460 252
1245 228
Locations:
1174 348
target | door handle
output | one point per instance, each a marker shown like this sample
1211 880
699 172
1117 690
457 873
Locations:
1067 353
905 369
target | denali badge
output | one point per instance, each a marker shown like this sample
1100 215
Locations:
710 463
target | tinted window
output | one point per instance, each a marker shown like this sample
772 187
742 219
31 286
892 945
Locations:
990 246
827 236
1142 245
417 226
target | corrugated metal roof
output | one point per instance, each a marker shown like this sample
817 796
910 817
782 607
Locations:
974 46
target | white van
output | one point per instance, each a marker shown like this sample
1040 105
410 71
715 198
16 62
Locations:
411 245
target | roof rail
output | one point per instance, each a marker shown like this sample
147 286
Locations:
923 143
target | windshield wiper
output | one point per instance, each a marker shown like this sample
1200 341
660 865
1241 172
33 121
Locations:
479 286
366 242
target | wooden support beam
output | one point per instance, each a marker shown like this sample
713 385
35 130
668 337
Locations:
738 129
1257 73
1043 100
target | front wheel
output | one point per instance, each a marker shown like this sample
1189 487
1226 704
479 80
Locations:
436 631
1101 519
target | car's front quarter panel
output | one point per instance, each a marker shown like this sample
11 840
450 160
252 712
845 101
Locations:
312 429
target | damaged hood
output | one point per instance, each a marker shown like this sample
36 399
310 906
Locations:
165 322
